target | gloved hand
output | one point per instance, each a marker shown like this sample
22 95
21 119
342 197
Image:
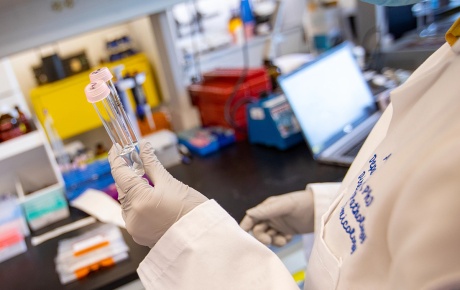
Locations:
277 218
150 211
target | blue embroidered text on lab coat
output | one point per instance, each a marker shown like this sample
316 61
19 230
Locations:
373 164
360 180
348 229
355 205
368 198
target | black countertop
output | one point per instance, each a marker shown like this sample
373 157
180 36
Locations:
237 177
242 175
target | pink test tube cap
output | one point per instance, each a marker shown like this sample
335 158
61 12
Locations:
103 74
96 91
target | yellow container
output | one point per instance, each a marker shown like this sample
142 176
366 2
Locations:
66 102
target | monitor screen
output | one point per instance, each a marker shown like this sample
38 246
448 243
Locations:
329 97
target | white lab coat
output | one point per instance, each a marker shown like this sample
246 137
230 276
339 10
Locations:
393 222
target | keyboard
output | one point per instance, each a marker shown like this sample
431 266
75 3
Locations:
353 151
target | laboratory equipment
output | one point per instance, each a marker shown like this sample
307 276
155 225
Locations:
141 116
271 49
100 247
199 141
248 18
12 243
108 108
105 75
57 145
143 110
235 27
43 206
11 214
9 125
424 11
334 119
13 228
212 94
95 175
165 144
204 141
271 122
24 123
53 68
323 27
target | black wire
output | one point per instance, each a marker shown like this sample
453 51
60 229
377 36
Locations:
375 53
229 116
238 104
370 32
196 61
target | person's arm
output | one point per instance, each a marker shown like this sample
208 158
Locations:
195 243
206 249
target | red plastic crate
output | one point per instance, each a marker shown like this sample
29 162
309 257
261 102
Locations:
233 75
212 93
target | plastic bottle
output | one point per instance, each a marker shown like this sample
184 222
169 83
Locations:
322 25
57 145
107 107
273 71
247 18
105 75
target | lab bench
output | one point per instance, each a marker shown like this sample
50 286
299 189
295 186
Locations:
237 177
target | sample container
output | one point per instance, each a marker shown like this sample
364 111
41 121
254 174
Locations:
105 75
110 111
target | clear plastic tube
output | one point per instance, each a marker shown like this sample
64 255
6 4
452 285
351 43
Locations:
117 127
105 75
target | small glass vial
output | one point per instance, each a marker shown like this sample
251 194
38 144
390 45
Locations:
108 108
105 75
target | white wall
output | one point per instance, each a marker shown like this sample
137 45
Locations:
10 93
232 57
144 38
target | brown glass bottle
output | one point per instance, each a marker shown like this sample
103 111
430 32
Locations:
273 71
9 127
24 123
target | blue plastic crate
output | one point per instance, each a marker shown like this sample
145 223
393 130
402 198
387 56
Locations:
225 136
199 141
95 175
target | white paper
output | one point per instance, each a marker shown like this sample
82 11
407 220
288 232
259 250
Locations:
37 240
101 206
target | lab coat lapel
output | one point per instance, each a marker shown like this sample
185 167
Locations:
407 95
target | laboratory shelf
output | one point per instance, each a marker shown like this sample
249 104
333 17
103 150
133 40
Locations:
20 144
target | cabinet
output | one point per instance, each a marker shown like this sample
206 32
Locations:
28 167
66 102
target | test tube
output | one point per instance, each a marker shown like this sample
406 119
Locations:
105 75
105 104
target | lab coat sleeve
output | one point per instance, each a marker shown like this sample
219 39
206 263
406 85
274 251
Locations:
416 236
206 249
323 196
